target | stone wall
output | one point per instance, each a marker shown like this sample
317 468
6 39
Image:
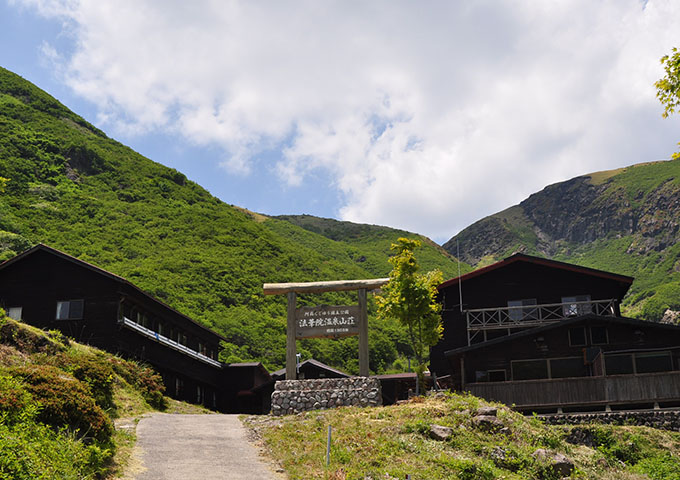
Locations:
295 396
663 419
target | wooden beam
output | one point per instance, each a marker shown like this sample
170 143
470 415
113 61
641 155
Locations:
291 348
363 334
321 287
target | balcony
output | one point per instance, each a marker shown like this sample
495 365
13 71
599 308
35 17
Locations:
583 391
504 318
155 336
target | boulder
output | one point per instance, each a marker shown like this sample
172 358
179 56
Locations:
487 411
560 464
487 423
439 432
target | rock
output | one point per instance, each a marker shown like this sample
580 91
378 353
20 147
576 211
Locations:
560 464
487 411
439 432
499 456
487 423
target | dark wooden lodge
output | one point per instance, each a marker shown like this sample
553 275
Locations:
310 369
53 290
546 335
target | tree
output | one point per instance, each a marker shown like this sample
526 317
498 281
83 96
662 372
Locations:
411 298
668 88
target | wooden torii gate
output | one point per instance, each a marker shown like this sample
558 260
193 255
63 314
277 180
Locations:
292 289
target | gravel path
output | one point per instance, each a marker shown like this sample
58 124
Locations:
205 447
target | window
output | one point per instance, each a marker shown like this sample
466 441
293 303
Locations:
179 387
490 375
529 369
653 362
621 364
515 313
577 336
567 367
181 338
199 394
70 310
573 307
143 320
14 312
599 336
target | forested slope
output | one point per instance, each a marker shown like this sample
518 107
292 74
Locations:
75 189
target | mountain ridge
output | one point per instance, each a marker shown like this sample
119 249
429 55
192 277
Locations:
625 220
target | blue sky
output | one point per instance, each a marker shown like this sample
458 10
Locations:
425 116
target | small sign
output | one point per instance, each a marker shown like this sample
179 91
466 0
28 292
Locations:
326 321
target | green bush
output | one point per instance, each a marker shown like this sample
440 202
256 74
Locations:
659 467
65 402
93 371
16 334
16 403
33 451
145 378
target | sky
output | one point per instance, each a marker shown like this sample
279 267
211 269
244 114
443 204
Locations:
420 115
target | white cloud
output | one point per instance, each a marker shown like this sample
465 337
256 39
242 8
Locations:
429 115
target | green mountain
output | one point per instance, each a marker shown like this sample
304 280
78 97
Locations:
372 244
626 221
70 186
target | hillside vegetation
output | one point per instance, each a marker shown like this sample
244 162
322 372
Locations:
58 403
75 189
391 442
625 221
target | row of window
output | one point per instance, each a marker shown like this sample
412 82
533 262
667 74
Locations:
174 334
66 310
614 364
209 400
525 309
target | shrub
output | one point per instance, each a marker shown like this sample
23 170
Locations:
144 378
16 403
65 402
27 340
93 371
659 467
33 451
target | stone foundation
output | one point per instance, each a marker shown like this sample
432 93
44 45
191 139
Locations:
662 419
295 396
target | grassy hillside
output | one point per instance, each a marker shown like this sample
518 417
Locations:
626 221
370 244
58 404
73 188
391 442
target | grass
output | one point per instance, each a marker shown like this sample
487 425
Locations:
391 442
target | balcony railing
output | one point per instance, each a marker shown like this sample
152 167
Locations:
147 332
501 318
603 390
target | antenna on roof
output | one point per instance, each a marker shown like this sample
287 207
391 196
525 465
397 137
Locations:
460 284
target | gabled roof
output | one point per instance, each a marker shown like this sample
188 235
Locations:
315 363
520 257
561 324
244 365
100 271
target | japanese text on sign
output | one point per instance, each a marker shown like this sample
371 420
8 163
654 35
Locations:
327 321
